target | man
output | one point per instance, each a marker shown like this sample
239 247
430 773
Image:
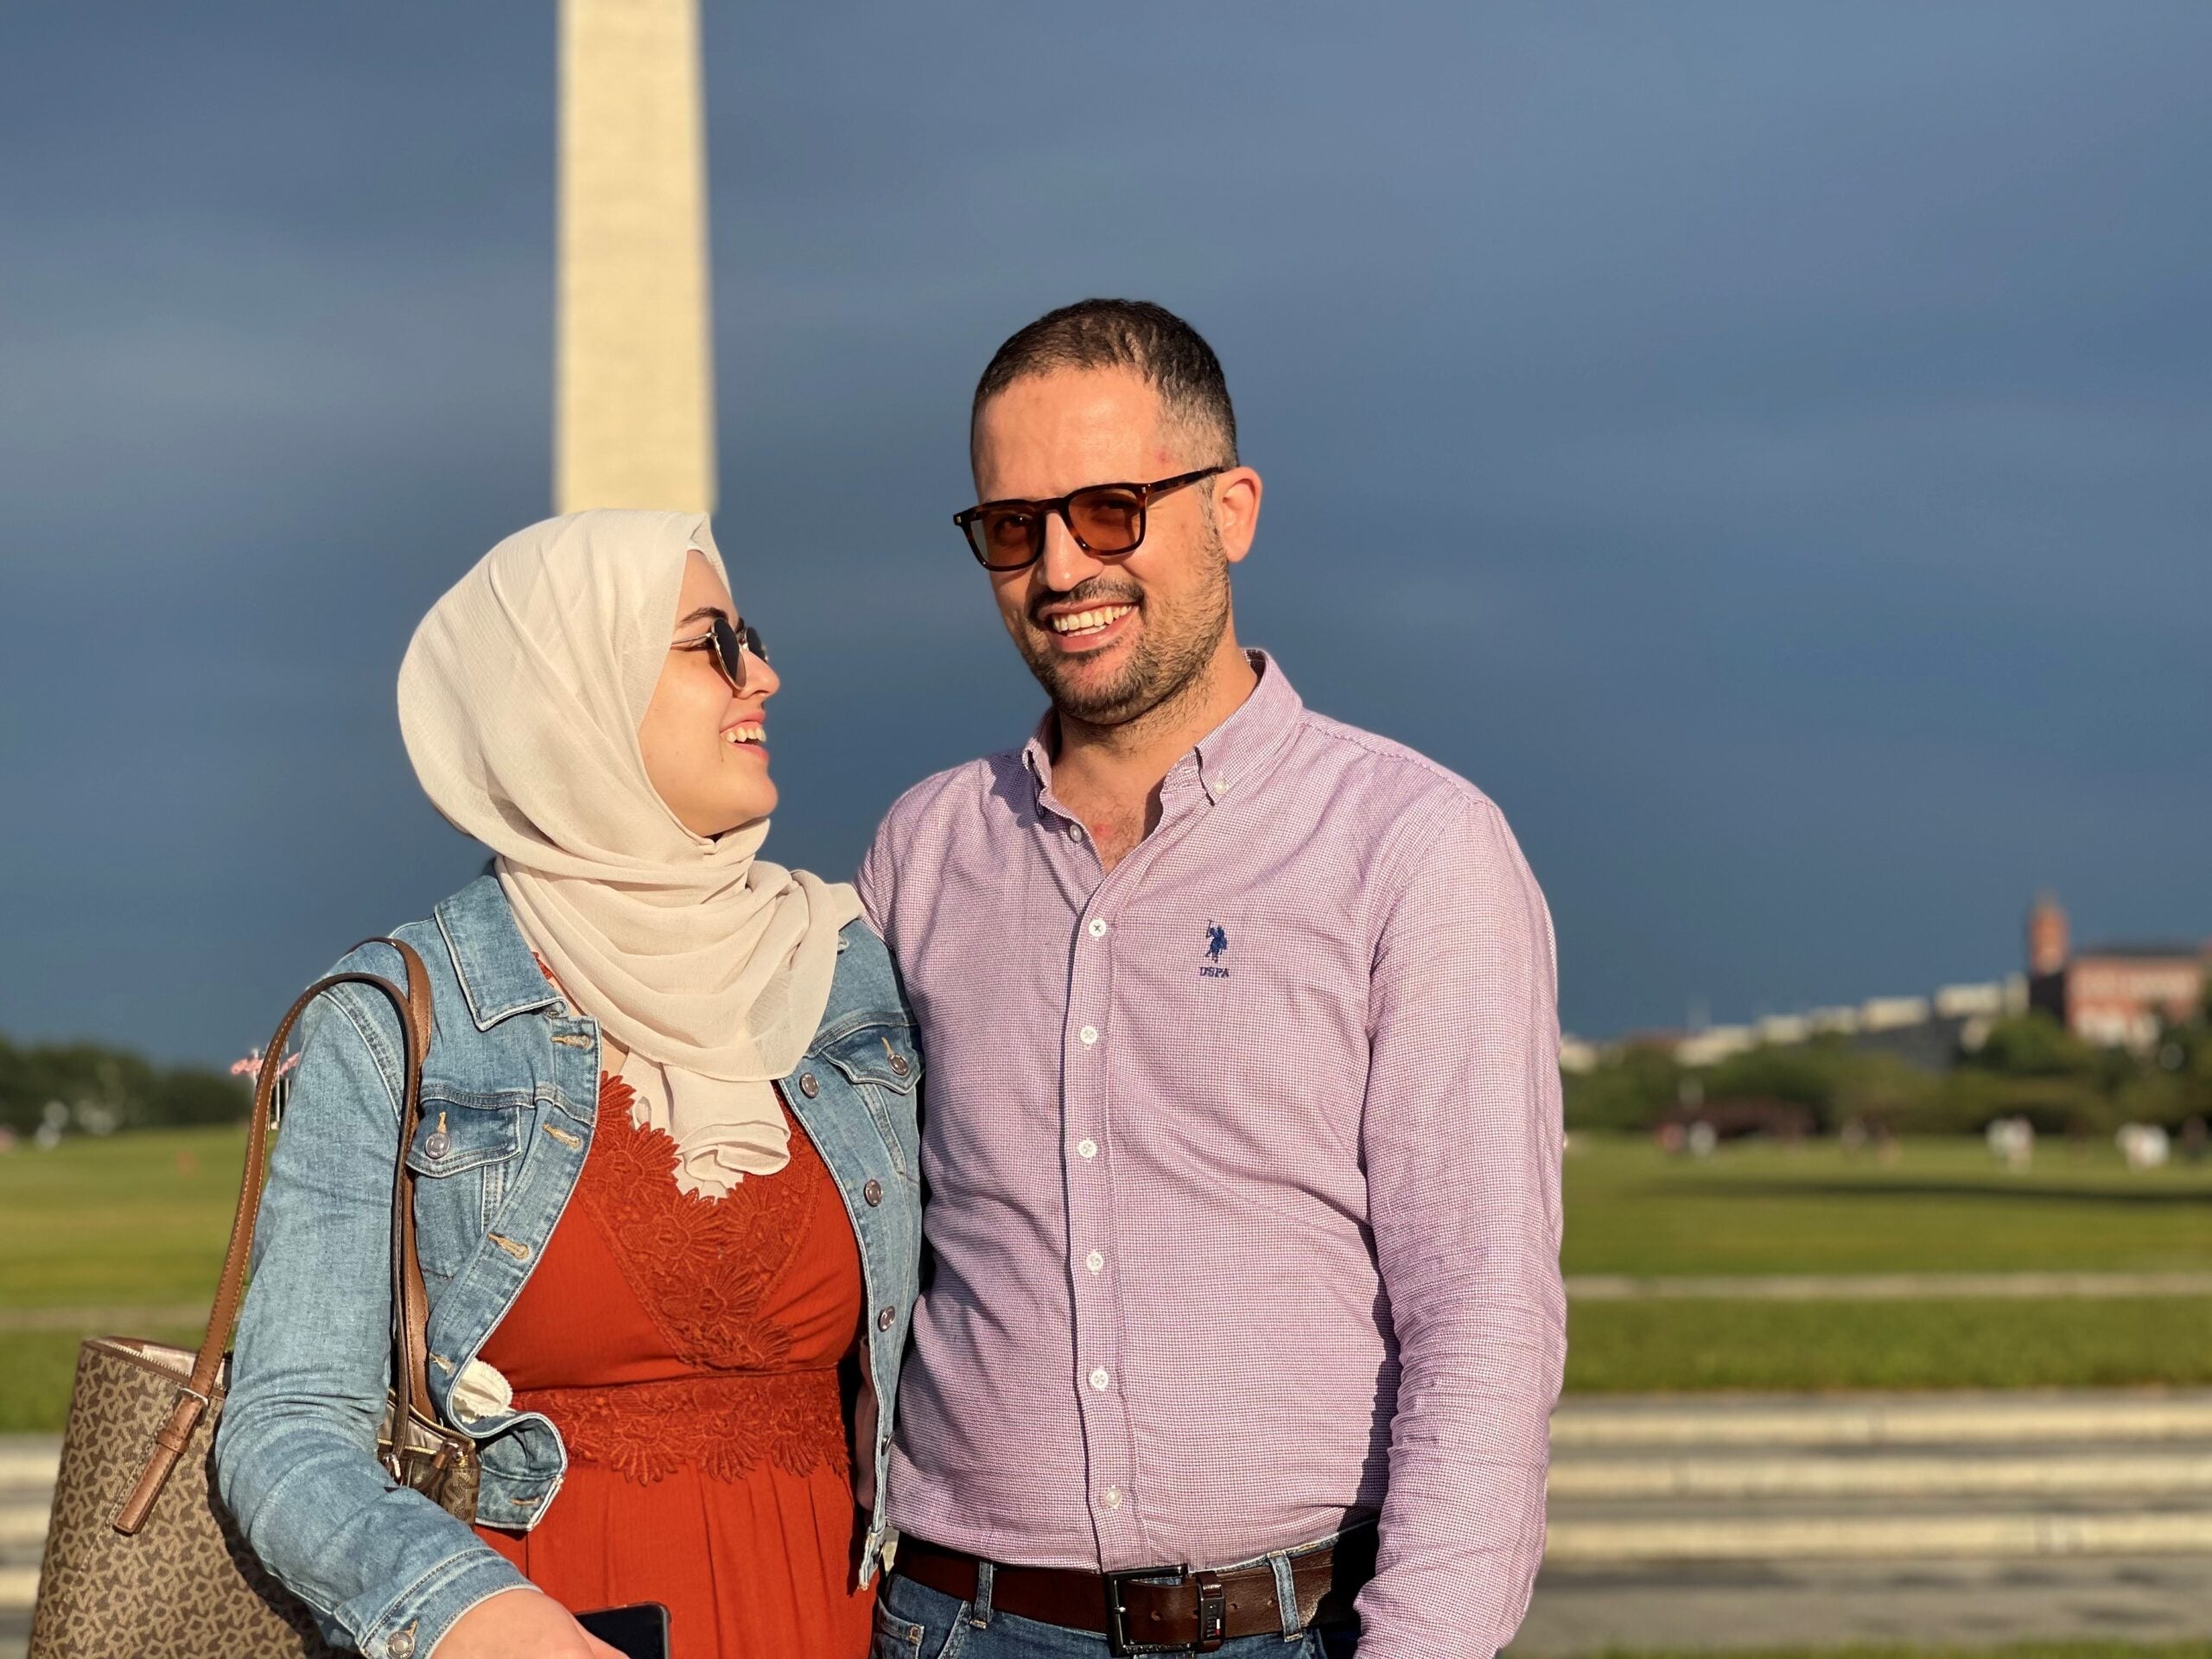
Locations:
1242 1124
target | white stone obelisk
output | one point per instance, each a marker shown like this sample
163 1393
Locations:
634 380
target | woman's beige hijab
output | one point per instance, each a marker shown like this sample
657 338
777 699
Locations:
520 699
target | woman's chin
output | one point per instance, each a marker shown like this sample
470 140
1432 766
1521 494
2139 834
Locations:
737 815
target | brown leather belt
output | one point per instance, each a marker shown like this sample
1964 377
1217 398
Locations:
1162 1609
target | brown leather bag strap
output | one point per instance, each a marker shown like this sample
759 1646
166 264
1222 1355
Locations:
410 1356
194 1396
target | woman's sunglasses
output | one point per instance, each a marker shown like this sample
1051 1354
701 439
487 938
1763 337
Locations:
728 645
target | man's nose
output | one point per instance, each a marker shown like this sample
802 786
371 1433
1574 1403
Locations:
1065 562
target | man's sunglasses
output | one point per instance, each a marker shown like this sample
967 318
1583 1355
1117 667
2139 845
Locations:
1107 520
728 645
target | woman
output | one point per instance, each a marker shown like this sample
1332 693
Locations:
667 1188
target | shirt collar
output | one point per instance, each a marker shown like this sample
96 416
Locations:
1230 754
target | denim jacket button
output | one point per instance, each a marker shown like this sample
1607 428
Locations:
437 1143
872 1193
403 1645
886 1320
899 1066
807 1085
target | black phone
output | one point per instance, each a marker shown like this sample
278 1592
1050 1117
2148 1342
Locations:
640 1630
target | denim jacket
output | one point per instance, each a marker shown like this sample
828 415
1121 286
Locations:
510 1087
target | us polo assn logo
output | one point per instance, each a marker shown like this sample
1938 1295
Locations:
1217 948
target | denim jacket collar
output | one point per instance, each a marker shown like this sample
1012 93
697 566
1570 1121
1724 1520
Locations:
498 970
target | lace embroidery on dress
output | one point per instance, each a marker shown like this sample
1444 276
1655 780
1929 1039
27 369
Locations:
701 1269
725 1427
701 1266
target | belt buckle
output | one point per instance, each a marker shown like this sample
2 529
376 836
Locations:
1212 1611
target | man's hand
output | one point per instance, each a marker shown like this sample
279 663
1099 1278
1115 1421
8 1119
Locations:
520 1624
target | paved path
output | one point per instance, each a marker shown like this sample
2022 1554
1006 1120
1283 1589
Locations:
1717 1522
91 1320
1934 1601
27 1464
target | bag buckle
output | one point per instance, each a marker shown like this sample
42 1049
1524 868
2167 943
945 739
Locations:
1213 1610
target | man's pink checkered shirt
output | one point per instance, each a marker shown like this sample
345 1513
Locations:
1243 1167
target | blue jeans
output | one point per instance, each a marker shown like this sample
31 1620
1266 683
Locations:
915 1622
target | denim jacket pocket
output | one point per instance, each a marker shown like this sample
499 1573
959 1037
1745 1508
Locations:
457 1134
469 1145
883 1065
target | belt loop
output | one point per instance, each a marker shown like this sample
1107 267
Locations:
979 1611
1285 1595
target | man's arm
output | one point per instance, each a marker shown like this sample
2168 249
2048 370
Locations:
1462 1140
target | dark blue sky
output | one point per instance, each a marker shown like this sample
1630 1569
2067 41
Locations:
1767 447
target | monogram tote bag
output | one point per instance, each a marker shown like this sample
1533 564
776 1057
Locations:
141 1562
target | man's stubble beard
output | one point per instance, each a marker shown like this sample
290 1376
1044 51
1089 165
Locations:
1167 661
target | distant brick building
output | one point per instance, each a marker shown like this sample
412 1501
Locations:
2114 995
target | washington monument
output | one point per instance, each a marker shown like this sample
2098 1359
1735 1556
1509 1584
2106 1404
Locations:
634 380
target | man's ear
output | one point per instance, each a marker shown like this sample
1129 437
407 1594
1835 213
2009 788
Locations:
1236 511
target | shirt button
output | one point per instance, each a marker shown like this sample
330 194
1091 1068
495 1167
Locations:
872 1193
1100 1381
1221 786
1095 1262
808 1086
1089 1035
1098 927
1086 1148
1113 1496
886 1320
1075 832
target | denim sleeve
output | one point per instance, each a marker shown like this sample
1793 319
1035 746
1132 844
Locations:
1462 1137
383 1569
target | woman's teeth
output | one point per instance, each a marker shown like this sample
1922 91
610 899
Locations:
745 734
1090 621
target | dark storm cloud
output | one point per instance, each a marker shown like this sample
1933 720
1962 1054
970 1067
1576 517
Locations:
1764 446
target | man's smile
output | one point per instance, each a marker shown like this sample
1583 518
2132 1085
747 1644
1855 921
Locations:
1085 629
1093 621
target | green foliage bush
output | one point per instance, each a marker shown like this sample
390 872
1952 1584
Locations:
102 1089
2028 1066
1628 1091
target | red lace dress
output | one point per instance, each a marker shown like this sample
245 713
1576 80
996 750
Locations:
688 1348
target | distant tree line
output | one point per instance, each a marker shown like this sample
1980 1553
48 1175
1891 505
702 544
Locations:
2028 1066
86 1088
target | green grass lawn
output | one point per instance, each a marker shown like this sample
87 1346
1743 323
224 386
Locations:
1792 1347
136 1221
36 1368
1937 1207
1942 1206
140 1220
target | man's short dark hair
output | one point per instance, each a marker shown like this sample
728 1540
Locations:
1124 334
